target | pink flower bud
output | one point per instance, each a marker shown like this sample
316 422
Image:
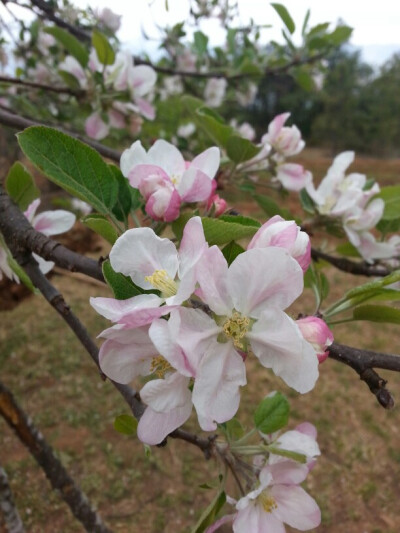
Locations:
285 140
95 127
284 234
316 332
218 203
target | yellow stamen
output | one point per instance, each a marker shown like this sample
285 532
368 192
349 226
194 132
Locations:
163 282
267 501
160 366
236 328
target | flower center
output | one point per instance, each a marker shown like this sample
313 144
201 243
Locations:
267 501
236 328
160 366
163 282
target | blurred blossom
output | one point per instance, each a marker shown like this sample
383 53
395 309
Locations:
214 91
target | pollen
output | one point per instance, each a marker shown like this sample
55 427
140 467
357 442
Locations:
267 501
163 282
236 328
160 366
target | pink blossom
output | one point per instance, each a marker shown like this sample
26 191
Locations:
285 140
110 19
218 203
292 176
166 180
214 91
247 300
95 127
72 66
285 234
317 333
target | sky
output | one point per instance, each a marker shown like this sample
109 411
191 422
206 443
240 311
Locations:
376 24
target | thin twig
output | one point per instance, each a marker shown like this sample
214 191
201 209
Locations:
8 118
16 228
8 509
351 267
364 362
49 88
58 476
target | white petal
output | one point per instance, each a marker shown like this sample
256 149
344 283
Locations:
54 222
216 393
154 427
168 157
133 156
295 507
124 358
277 342
140 252
114 309
264 277
163 395
45 266
212 271
208 161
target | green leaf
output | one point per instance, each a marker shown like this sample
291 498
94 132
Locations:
240 219
209 515
240 149
123 204
70 43
103 48
377 313
272 413
295 456
102 226
214 128
234 429
305 22
304 79
307 202
340 35
122 286
286 18
200 42
179 224
271 208
391 197
231 251
388 226
348 250
126 424
394 277
69 79
220 232
15 267
21 186
72 165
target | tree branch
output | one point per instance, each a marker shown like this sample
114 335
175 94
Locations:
8 509
59 478
49 88
363 362
12 120
351 267
16 228
269 71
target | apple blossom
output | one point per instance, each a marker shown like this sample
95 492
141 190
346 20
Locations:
166 180
286 141
95 127
247 300
110 19
292 176
154 263
218 203
48 223
214 91
317 333
285 234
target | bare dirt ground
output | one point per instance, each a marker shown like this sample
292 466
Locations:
356 481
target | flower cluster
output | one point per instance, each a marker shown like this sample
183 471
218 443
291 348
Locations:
166 180
346 197
279 143
122 76
48 223
218 315
277 498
